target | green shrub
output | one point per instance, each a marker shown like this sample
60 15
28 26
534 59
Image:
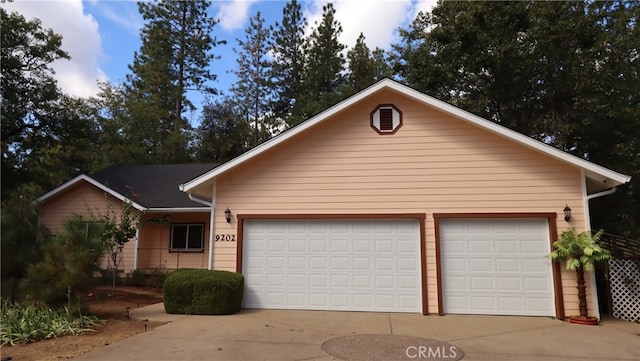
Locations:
23 323
203 292
136 278
157 278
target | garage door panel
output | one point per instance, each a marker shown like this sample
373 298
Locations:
509 283
479 283
477 264
534 266
496 267
505 247
297 299
504 265
362 265
362 281
457 283
318 245
297 280
536 284
297 245
361 246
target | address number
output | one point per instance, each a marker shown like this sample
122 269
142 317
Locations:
225 237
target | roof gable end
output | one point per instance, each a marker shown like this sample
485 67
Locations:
93 182
593 171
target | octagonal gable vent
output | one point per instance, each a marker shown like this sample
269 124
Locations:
386 119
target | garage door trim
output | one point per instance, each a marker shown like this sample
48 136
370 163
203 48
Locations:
419 216
553 236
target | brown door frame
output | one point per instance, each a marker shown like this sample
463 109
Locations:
358 216
553 236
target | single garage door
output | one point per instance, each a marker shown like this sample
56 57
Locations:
496 267
350 265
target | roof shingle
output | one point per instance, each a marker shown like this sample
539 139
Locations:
153 185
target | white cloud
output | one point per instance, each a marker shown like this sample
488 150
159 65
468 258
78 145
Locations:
81 40
126 16
378 20
425 6
234 14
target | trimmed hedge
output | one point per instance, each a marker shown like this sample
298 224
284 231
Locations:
203 292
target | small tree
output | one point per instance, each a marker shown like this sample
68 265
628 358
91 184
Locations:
70 261
580 252
21 236
119 228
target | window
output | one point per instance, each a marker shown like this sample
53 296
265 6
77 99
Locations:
187 237
386 119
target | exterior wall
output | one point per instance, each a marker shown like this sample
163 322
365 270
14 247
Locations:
433 164
154 246
80 199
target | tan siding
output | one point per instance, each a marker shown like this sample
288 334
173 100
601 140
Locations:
433 164
85 200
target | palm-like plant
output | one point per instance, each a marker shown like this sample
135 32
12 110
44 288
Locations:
580 252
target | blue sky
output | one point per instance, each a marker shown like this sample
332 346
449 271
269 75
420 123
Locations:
101 36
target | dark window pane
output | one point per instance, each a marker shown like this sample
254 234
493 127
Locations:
195 236
179 237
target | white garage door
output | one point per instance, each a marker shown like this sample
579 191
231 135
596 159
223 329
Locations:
496 267
350 265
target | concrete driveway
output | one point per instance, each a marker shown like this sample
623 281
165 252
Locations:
299 335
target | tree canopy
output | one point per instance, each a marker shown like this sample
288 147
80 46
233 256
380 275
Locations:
565 73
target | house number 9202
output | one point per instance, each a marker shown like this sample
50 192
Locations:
225 238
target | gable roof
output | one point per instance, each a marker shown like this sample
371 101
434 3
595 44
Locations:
147 187
598 177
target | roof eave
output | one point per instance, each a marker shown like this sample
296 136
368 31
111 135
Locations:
93 182
178 209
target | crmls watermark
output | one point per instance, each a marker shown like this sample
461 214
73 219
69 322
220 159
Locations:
431 352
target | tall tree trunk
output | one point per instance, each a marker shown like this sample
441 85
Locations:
582 294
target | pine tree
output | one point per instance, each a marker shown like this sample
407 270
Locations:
252 87
174 58
222 134
565 73
362 66
325 64
287 68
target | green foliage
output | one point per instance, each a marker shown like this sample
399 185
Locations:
70 262
203 292
136 278
157 278
222 134
565 73
118 228
252 89
175 56
287 68
362 66
323 77
24 323
29 94
579 250
21 236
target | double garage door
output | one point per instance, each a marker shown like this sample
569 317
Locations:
349 265
488 266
